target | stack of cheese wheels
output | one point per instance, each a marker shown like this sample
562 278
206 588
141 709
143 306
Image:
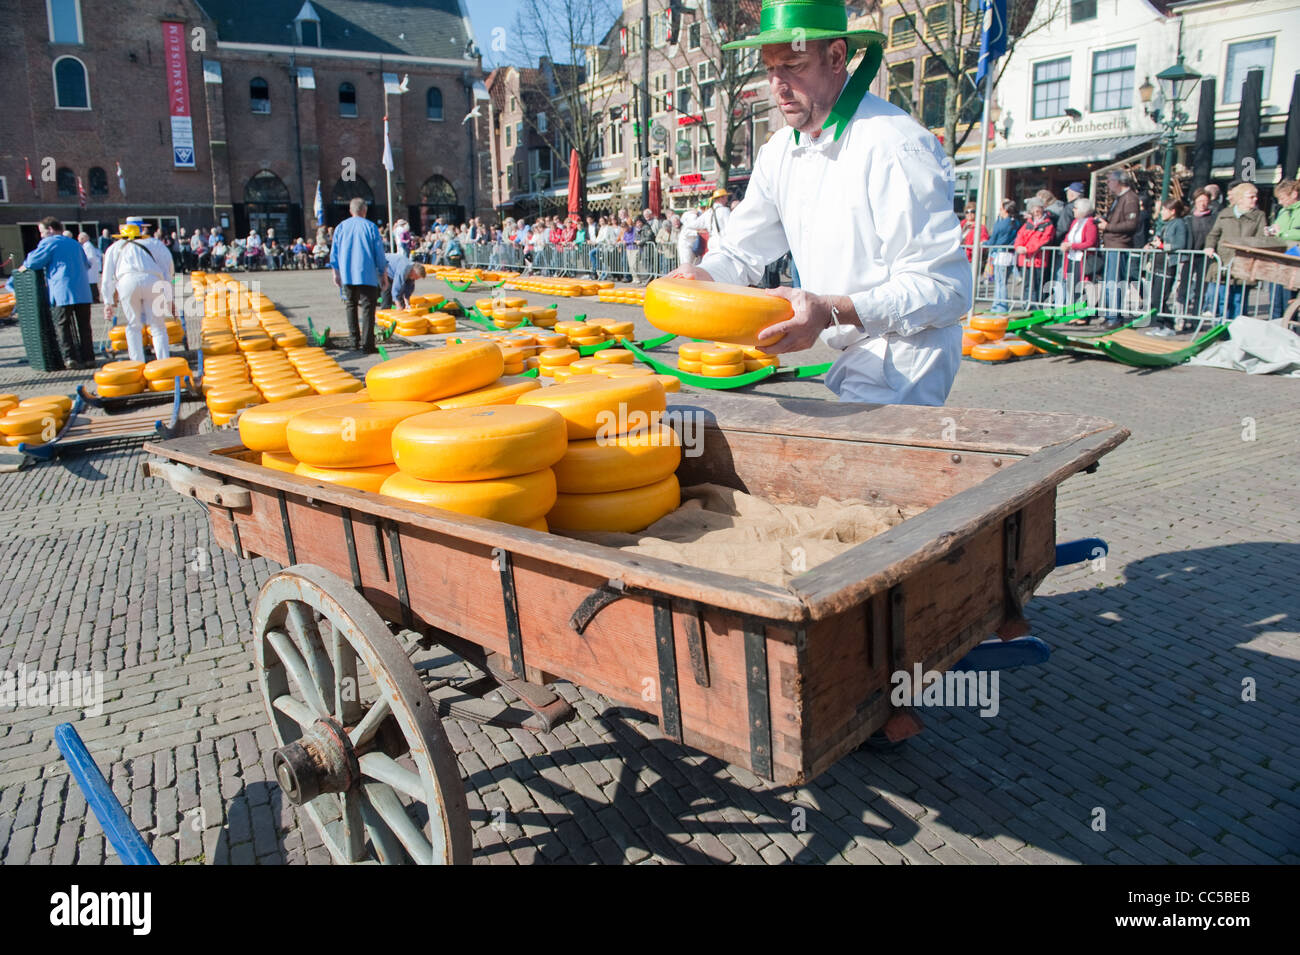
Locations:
117 338
722 361
349 445
161 374
624 296
982 329
35 420
411 324
322 372
622 490
541 316
119 378
491 461
555 358
275 377
434 373
713 310
688 357
263 428
175 331
756 358
440 323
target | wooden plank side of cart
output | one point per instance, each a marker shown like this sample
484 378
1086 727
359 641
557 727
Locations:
780 680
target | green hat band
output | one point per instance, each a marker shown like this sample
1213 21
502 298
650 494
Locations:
803 16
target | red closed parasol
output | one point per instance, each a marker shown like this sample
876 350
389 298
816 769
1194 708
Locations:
656 193
575 184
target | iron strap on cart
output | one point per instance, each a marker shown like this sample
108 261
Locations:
783 681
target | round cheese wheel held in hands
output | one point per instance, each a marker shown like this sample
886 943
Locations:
713 310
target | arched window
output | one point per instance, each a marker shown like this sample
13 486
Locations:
438 198
66 180
65 20
347 99
71 91
266 203
433 103
259 95
98 181
343 193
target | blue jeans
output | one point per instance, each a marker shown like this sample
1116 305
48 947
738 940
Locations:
1113 282
1215 296
1000 275
1279 299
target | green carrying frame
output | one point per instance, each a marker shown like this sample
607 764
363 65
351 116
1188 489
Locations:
1105 345
726 384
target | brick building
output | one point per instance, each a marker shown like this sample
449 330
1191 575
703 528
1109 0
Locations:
228 112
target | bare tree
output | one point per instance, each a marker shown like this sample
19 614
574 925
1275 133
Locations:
557 35
952 40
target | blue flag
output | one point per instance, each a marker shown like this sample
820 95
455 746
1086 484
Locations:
319 206
993 38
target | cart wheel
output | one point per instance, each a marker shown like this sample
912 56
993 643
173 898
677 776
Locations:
360 745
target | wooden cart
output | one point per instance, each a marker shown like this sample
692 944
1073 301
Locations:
781 680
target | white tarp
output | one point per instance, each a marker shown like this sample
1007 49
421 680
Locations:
1255 347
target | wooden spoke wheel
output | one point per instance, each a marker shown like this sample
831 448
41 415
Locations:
361 747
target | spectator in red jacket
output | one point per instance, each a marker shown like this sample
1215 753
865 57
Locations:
1080 239
968 231
1038 232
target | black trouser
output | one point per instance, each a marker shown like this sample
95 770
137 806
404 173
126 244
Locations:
94 293
359 304
72 327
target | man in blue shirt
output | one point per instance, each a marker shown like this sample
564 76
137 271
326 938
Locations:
67 279
402 273
360 271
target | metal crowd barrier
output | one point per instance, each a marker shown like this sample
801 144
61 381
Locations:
598 260
1182 287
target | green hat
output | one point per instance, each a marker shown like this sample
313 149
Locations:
786 21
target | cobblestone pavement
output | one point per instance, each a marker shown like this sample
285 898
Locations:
1139 712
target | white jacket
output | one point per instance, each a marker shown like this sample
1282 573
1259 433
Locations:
136 257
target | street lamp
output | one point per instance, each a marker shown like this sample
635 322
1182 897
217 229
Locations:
1176 84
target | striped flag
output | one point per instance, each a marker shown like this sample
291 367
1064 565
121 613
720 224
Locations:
81 193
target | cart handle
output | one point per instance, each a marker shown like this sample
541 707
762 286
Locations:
194 483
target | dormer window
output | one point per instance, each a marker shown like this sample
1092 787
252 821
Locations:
307 23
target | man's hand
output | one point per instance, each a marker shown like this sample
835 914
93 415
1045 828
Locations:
1022 250
108 312
337 283
812 313
693 272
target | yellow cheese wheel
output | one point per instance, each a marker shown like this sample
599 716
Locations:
120 373
518 369
617 369
224 383
722 371
690 351
990 323
335 386
29 421
474 444
670 382
616 464
250 343
553 357
515 302
35 438
587 340
223 418
597 405
721 355
7 405
232 399
553 341
689 367
262 428
754 364
1019 347
165 369
561 373
584 366
9 397
167 384
362 479
62 402
513 500
713 310
276 460
990 351
618 355
627 511
434 373
504 391
285 391
349 436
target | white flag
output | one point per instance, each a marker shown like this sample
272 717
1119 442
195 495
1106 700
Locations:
121 179
388 148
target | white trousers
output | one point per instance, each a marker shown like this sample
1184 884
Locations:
142 304
896 370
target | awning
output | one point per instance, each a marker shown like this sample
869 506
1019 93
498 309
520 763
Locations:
1060 153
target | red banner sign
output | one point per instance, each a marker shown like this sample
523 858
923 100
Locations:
689 120
178 95
691 179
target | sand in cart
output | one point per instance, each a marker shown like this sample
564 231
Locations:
719 528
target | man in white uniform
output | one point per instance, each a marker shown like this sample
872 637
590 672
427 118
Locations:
94 264
860 194
138 278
